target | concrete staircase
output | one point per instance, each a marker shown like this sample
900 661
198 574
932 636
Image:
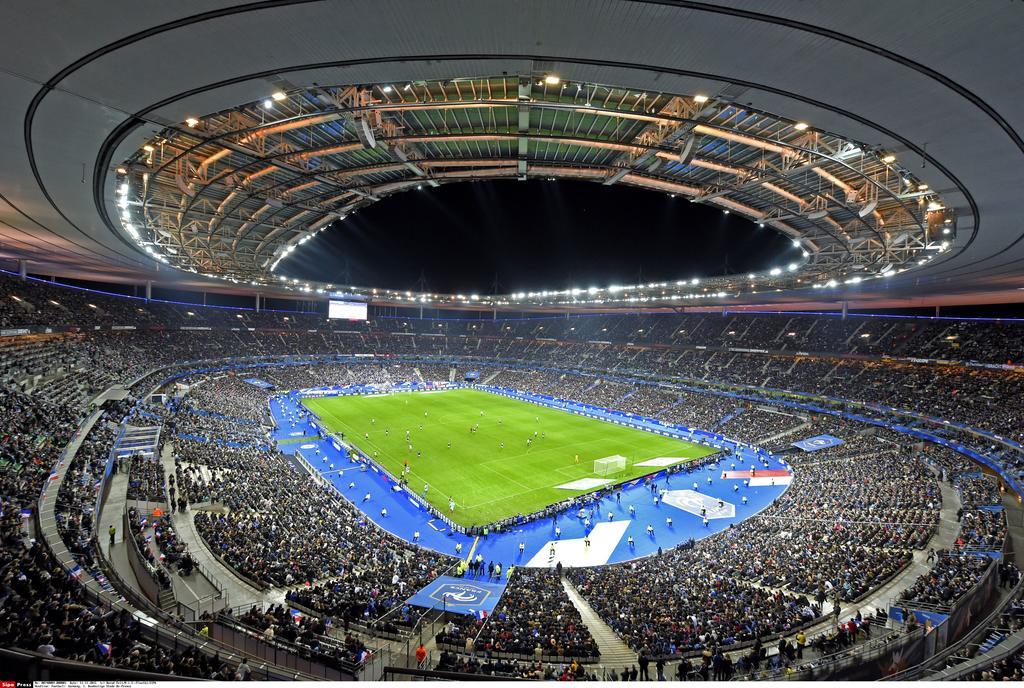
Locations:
166 601
615 654
490 377
785 433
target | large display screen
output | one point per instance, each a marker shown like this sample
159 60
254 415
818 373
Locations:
346 310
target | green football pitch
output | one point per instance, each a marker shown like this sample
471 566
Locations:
488 481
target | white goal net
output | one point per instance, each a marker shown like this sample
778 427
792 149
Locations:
609 465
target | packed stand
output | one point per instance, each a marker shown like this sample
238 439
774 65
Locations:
145 478
952 576
535 618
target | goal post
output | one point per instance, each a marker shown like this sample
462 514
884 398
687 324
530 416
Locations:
609 465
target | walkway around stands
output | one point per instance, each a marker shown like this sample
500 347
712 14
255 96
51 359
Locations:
112 514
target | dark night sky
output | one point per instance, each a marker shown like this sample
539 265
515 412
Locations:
534 235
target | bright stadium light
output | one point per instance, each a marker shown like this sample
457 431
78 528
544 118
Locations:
700 99
552 80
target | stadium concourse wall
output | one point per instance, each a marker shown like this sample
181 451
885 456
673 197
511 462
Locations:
905 656
636 422
1010 645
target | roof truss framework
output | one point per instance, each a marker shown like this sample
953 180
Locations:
233 194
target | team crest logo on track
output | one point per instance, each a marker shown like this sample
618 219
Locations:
460 594
692 502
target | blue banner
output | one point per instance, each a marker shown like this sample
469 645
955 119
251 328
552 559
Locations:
256 382
896 614
813 444
459 596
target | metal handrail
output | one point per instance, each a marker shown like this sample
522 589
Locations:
289 646
184 633
982 662
913 672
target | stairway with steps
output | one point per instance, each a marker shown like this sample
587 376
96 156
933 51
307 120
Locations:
493 375
166 601
615 654
993 639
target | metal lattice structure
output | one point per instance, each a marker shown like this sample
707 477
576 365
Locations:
230 195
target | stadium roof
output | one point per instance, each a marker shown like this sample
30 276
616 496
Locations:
880 136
